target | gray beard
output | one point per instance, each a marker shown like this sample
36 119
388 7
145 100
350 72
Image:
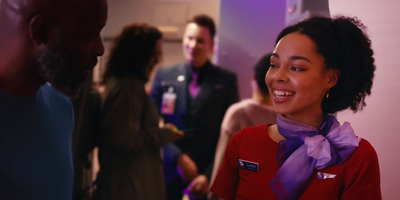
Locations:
56 66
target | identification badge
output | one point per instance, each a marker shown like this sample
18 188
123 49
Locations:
244 164
168 102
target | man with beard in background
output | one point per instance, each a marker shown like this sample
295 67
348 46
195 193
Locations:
44 45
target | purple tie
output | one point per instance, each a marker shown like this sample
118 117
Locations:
194 88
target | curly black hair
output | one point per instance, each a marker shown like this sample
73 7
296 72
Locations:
345 46
132 51
260 69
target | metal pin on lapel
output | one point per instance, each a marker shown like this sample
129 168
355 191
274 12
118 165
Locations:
321 175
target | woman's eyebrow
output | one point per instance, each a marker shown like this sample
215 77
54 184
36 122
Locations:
292 57
299 58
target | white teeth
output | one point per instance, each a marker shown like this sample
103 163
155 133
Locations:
281 93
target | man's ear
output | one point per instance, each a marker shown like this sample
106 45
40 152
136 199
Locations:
39 29
212 47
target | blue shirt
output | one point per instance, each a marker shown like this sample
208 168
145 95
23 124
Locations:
36 145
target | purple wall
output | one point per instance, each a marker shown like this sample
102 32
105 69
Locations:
247 31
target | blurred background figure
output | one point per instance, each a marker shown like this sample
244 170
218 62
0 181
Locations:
87 119
130 139
248 112
194 95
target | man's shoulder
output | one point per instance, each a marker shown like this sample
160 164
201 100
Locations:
54 98
50 91
59 106
222 71
240 107
172 68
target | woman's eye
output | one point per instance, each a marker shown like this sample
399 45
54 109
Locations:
273 66
297 69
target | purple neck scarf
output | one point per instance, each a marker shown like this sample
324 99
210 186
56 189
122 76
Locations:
306 149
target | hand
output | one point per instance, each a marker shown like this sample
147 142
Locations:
187 168
176 133
198 188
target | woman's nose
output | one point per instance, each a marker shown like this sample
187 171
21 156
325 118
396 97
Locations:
280 75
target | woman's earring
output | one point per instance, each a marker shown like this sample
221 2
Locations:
327 93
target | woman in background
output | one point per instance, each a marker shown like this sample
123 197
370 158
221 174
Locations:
130 141
319 67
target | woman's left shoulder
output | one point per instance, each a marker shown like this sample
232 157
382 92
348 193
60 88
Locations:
364 151
365 146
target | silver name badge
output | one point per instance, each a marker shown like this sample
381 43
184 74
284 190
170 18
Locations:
244 164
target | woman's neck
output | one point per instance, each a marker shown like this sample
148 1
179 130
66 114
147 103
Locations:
313 120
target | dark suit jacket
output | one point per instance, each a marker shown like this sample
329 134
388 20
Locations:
202 115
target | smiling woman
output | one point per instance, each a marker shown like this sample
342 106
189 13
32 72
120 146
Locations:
319 66
298 80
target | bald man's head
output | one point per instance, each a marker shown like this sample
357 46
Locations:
56 41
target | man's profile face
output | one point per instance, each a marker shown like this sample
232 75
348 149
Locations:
73 52
197 44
